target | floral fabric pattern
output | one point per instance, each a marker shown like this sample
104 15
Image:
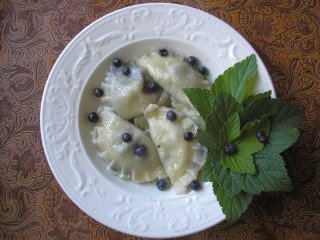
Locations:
33 34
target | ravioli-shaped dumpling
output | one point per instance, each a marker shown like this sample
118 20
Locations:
165 99
141 122
191 112
120 155
127 95
172 74
182 159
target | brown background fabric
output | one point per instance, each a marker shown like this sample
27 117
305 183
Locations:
33 33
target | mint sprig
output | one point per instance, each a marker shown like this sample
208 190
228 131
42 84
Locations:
234 114
238 80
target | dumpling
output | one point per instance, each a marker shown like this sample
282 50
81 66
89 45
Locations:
141 122
182 159
191 112
120 155
165 99
172 74
127 95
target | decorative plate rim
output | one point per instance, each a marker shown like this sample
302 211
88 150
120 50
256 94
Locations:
61 140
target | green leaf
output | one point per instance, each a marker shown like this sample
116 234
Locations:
285 121
272 174
228 180
233 115
242 162
207 172
207 139
223 107
252 98
256 107
232 128
230 131
201 99
234 206
251 128
238 79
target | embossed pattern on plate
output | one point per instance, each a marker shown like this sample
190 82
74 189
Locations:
145 215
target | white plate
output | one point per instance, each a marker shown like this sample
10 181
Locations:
135 209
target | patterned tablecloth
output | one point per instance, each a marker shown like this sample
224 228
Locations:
286 34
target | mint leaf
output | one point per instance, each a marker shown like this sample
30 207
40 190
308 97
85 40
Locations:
238 79
228 180
231 129
223 107
272 174
252 98
271 171
233 115
207 173
207 139
251 128
255 107
234 206
200 99
242 162
285 121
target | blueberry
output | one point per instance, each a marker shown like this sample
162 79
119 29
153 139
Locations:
188 136
161 184
230 149
191 60
93 117
98 92
152 86
116 62
195 185
171 115
140 150
126 71
203 70
126 137
259 133
261 137
163 52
